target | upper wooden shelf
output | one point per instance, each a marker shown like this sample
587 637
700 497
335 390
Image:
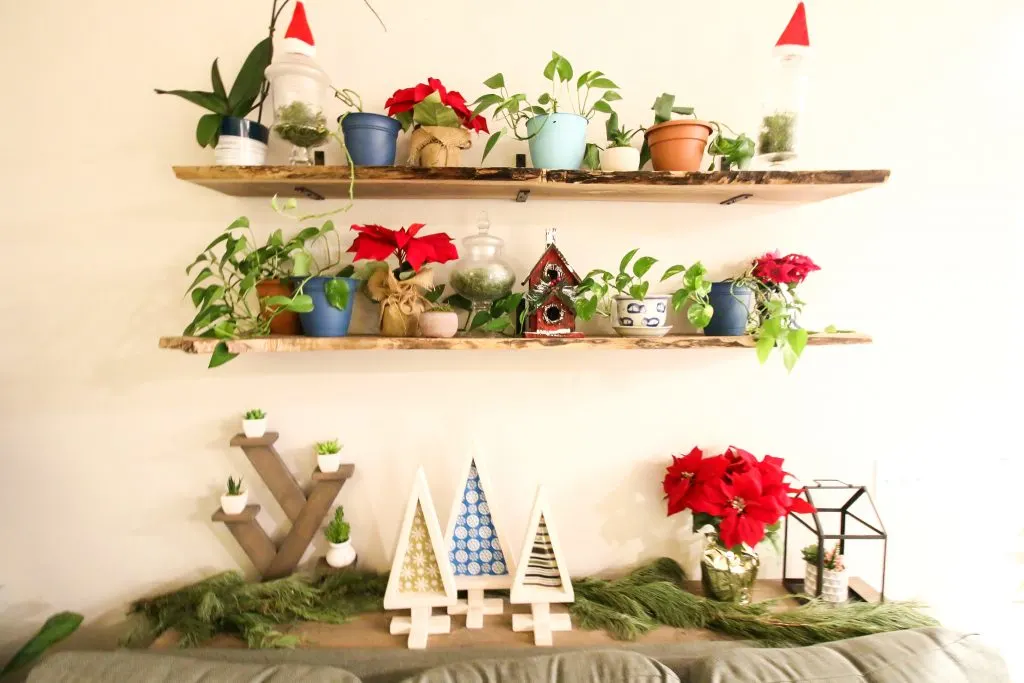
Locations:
408 182
204 345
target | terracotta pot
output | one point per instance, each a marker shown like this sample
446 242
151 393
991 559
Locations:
283 323
678 145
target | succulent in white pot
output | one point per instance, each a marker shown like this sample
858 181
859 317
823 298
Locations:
328 455
835 581
254 424
440 321
234 501
620 154
341 553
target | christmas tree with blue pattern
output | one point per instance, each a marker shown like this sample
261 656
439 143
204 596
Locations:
474 548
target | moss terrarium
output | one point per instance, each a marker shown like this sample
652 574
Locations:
777 139
482 276
301 125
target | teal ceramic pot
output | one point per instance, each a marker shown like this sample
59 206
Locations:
558 140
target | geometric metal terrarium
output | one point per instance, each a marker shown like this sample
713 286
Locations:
842 513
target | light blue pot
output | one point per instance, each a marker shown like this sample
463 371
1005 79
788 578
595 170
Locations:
558 140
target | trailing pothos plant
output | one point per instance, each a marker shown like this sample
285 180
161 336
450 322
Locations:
516 109
737 151
592 294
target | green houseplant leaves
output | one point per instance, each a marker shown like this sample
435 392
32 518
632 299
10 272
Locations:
57 628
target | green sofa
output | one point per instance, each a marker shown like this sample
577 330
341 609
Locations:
922 655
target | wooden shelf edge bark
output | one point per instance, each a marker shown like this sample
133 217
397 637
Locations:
406 182
204 345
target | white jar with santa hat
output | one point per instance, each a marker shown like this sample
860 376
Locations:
299 87
778 139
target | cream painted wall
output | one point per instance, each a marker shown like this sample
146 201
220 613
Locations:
114 452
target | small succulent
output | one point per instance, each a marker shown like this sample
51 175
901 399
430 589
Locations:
234 487
833 560
441 308
619 136
331 447
338 529
255 414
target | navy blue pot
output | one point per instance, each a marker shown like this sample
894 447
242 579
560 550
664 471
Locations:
325 320
371 138
731 310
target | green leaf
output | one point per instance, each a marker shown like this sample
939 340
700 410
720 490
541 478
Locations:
645 154
485 101
491 142
537 111
586 307
626 259
700 314
206 100
218 83
300 303
495 81
203 274
592 157
246 87
683 111
831 329
301 261
224 330
765 344
611 96
564 69
336 291
602 83
622 281
643 264
694 275
431 113
240 222
480 319
603 107
673 271
797 340
550 67
221 355
789 357
197 296
497 324
208 130
55 629
583 79
544 98
679 298
459 301
639 290
663 107
432 295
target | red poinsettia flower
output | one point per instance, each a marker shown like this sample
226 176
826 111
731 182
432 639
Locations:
783 270
686 479
377 243
744 508
406 99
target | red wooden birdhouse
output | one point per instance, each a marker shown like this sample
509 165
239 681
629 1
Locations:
550 288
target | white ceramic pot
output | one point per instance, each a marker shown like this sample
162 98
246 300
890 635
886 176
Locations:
254 428
835 585
650 312
234 505
439 323
620 159
329 463
341 554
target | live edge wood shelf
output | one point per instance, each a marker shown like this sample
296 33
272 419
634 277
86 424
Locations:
407 182
203 345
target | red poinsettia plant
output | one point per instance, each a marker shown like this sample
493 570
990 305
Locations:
377 243
431 104
744 499
774 278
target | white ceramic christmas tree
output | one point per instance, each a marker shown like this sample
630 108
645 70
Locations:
421 576
476 549
542 577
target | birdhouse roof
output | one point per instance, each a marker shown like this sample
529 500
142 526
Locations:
543 258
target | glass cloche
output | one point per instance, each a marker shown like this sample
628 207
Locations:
481 275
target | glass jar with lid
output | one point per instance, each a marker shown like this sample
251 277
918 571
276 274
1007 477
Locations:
481 275
779 137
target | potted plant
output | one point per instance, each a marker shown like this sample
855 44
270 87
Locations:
233 502
557 138
734 152
772 280
328 455
440 123
732 307
401 292
620 154
254 424
330 286
736 501
835 586
341 553
634 311
370 139
440 320
674 144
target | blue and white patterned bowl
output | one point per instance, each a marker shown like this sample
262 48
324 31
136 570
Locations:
650 312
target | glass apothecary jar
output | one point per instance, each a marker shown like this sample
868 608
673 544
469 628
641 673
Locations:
481 275
778 139
299 88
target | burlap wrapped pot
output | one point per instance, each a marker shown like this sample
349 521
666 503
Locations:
434 146
401 301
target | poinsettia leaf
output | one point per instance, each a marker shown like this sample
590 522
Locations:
431 113
337 292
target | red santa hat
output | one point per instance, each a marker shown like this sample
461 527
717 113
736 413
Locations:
299 39
794 38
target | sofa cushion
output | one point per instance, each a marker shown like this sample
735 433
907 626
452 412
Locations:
918 656
137 667
579 667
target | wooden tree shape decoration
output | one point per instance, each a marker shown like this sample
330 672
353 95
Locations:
421 577
306 513
477 551
542 577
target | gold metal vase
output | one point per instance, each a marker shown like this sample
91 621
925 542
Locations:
728 576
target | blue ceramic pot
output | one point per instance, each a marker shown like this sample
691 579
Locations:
559 140
371 138
325 320
731 310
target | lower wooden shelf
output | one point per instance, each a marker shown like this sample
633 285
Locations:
203 345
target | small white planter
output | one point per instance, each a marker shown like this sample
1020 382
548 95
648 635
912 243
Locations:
234 505
329 463
254 429
233 150
439 323
651 312
835 587
341 554
620 159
